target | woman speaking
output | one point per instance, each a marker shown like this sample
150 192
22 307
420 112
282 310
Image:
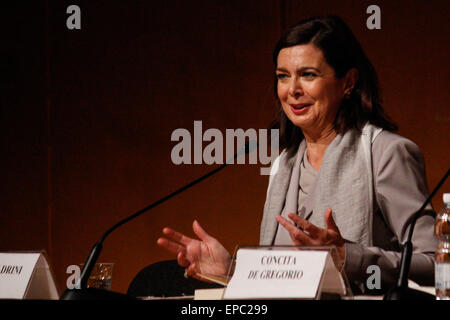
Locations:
344 178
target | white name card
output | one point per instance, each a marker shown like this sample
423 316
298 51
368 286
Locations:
283 274
26 276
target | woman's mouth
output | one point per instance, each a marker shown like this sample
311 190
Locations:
299 108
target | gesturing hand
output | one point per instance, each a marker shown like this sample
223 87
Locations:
206 255
307 234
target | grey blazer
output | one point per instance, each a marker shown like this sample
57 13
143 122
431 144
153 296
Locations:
400 189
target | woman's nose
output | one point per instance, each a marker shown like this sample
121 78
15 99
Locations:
295 88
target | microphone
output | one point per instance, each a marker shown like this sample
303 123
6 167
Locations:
85 293
401 291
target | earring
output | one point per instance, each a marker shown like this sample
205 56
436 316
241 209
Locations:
348 93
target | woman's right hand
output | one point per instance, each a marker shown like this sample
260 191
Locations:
205 256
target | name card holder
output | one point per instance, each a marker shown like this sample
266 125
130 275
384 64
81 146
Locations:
286 272
26 275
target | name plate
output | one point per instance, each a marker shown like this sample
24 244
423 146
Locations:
26 275
290 273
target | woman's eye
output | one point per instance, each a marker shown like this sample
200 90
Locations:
281 76
309 75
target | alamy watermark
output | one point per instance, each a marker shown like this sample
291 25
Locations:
374 20
73 280
374 280
73 21
220 150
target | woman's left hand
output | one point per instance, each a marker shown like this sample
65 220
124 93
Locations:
307 234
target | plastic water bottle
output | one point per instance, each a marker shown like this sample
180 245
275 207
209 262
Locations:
442 266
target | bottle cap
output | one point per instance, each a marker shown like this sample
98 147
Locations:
446 197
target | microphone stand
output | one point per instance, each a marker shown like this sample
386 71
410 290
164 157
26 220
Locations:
401 291
85 293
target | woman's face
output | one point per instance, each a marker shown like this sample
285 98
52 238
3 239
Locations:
308 90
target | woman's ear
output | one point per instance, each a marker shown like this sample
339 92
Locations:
350 81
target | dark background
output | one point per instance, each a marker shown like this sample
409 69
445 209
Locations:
87 114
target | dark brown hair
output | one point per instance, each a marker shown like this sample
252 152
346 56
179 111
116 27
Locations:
342 52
